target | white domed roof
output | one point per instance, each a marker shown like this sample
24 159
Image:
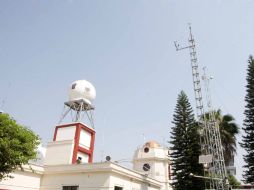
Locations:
82 89
152 144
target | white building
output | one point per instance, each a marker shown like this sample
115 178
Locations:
150 172
68 164
152 160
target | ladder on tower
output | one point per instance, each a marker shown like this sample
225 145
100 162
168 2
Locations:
210 135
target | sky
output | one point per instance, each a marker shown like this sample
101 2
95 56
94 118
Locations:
126 50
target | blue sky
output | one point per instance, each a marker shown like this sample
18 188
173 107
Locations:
125 48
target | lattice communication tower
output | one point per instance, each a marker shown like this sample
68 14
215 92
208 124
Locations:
211 147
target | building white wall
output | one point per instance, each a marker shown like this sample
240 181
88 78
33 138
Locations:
66 133
94 181
59 152
128 183
85 181
84 157
161 171
158 171
23 180
97 176
157 158
85 139
158 152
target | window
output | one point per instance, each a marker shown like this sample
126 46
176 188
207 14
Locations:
118 188
70 187
146 167
146 149
73 86
79 160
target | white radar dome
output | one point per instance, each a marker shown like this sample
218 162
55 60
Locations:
82 89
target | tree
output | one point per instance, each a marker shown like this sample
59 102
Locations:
233 181
17 145
228 132
184 147
248 125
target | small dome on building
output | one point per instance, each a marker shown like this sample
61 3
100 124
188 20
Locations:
152 144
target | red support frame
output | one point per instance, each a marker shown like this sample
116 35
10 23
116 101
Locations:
77 148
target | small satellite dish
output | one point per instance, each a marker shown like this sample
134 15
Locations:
108 158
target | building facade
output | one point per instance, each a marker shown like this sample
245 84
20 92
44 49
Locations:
67 165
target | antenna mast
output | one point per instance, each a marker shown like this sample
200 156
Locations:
217 149
210 141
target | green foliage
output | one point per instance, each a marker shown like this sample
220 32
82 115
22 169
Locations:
228 131
185 148
233 181
17 145
248 138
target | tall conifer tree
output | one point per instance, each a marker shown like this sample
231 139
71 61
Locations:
248 138
184 147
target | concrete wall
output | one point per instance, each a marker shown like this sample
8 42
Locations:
22 181
157 158
59 152
84 157
66 133
158 171
128 183
158 152
97 176
85 139
85 181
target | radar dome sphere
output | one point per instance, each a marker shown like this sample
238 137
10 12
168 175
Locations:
82 89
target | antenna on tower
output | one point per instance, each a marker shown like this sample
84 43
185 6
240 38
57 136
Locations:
81 94
219 166
206 80
210 141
